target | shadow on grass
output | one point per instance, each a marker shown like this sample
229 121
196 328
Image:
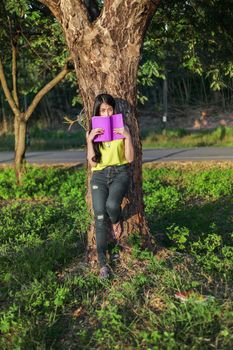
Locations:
31 248
201 219
36 261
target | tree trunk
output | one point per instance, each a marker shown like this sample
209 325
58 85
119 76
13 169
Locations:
4 128
106 53
106 61
20 147
124 90
4 124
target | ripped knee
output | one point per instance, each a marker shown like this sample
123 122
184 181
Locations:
100 217
95 187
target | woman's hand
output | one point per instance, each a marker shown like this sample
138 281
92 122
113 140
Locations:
93 133
129 149
122 131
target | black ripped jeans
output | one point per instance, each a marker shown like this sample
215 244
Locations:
108 188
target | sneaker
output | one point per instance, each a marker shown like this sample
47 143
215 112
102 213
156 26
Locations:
104 272
117 230
114 257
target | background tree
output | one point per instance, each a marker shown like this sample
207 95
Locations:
192 42
30 38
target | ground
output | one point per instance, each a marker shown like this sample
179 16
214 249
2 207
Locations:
187 118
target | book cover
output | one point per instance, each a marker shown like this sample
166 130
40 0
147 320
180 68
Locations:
108 123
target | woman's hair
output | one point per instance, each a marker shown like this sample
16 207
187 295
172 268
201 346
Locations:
102 98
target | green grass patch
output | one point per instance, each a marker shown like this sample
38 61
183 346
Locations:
49 297
42 140
170 138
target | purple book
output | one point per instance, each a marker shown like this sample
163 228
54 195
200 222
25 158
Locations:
108 124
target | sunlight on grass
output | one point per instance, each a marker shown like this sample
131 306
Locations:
221 136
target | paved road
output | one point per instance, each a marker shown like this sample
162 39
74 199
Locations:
149 155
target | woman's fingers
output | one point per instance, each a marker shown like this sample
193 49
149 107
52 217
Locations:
95 132
123 131
118 131
98 131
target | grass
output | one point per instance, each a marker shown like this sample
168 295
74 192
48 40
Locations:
220 136
44 140
60 139
51 299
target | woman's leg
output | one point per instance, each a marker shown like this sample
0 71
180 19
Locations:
117 191
99 191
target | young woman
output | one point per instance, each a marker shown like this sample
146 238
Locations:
110 165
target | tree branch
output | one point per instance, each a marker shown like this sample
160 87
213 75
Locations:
54 6
75 16
13 39
133 14
126 10
32 49
46 89
14 74
6 90
78 10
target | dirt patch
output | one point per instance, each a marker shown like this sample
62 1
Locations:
187 118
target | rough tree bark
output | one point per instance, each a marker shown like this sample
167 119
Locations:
105 47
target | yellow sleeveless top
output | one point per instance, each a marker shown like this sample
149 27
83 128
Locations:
112 153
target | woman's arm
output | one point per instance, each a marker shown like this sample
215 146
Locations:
90 150
129 149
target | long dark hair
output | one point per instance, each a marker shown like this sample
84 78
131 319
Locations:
102 98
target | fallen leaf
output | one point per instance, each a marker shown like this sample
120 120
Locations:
77 312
